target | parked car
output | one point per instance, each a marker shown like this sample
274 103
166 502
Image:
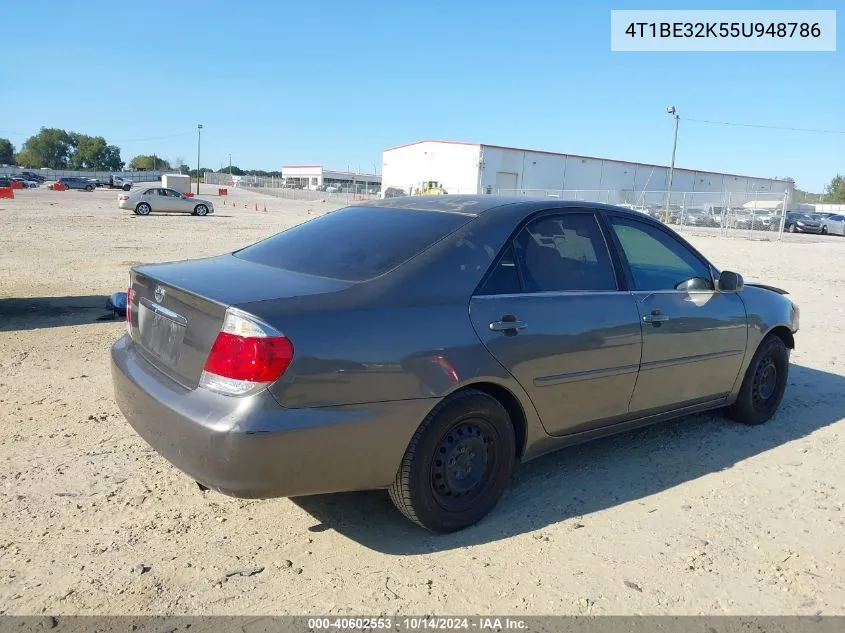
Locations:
77 182
833 225
575 321
332 189
392 192
114 182
698 217
143 201
5 183
822 215
746 219
801 223
29 175
27 184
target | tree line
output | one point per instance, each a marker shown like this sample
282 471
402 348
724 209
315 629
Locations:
59 149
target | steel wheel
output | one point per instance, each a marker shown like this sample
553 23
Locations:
458 463
764 383
462 463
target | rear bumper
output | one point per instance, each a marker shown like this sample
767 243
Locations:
252 447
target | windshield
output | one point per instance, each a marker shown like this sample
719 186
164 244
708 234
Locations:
355 243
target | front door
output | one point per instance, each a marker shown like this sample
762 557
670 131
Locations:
551 314
694 337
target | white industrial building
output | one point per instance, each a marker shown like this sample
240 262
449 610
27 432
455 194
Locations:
478 168
315 177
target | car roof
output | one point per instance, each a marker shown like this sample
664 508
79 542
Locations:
476 205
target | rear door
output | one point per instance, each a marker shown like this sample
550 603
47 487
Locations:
694 337
552 313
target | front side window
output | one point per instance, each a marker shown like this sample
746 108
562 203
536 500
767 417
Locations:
657 261
564 253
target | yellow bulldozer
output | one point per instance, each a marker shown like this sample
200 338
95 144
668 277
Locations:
429 188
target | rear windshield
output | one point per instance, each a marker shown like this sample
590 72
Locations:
355 243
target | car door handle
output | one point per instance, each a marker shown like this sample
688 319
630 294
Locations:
655 318
506 325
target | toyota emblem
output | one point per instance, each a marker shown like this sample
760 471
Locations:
159 294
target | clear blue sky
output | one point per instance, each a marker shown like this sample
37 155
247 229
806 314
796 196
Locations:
334 83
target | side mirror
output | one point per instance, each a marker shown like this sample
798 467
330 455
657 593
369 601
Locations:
730 281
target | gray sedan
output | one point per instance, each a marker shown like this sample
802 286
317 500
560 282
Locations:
833 225
427 345
145 200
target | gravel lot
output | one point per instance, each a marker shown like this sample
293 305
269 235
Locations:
695 516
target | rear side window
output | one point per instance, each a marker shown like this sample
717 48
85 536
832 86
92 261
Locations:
564 253
354 244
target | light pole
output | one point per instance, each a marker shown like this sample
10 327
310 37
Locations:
199 134
671 110
230 166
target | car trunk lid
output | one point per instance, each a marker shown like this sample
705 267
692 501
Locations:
179 308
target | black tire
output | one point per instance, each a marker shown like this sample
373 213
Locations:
127 187
143 208
458 463
89 187
200 210
824 230
792 228
764 383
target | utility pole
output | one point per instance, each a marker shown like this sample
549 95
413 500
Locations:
671 110
230 166
199 134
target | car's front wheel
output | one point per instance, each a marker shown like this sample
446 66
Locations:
143 208
200 210
792 228
764 383
458 463
824 230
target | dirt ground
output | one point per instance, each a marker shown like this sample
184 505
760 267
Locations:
695 516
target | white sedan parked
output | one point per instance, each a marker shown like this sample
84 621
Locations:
147 199
834 225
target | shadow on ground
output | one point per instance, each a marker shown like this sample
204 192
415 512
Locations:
577 481
33 313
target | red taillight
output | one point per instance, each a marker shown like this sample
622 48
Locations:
249 358
123 197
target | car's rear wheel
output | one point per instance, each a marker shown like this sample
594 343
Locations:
200 209
89 187
127 187
764 383
457 464
143 208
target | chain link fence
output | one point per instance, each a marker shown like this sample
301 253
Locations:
755 214
290 188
